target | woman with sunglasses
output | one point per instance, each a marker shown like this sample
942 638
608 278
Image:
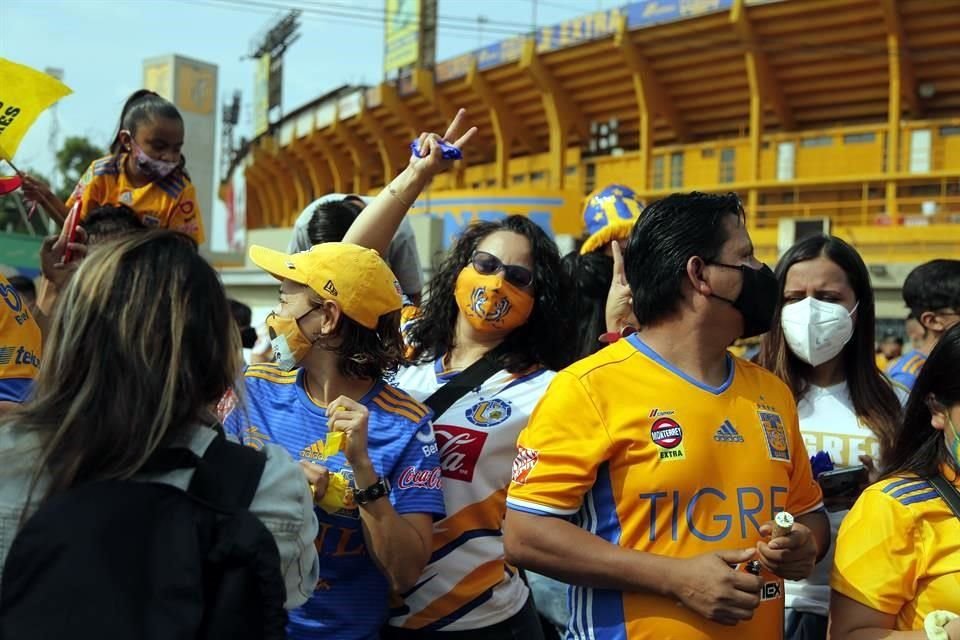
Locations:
896 573
498 295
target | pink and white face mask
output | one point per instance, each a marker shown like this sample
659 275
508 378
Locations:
150 166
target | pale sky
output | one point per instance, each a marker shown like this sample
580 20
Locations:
101 44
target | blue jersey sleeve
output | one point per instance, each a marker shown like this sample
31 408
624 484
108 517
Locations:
415 481
15 389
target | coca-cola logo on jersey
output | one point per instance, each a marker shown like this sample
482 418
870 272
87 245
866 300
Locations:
413 478
459 450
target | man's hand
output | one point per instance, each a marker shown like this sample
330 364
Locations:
708 585
619 309
52 253
792 557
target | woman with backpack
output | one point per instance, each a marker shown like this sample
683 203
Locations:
141 347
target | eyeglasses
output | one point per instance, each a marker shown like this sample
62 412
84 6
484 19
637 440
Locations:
488 264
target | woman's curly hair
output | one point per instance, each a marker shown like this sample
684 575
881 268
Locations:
543 340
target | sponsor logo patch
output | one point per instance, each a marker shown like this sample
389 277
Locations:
524 463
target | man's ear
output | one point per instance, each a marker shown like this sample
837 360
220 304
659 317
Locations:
695 267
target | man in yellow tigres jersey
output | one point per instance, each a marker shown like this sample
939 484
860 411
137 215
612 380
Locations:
649 474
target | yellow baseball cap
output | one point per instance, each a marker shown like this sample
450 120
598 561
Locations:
352 275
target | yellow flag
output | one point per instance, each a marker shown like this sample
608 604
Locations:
24 94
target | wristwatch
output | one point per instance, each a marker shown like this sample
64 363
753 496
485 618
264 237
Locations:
374 492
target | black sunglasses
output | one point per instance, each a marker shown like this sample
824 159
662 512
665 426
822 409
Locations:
488 264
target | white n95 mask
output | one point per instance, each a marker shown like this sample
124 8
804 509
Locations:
816 331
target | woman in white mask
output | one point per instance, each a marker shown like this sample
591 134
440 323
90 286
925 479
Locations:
821 345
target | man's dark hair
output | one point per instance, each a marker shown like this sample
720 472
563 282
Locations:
24 286
668 234
241 313
933 286
110 221
892 337
331 220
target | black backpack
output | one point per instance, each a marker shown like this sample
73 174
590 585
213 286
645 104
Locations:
128 560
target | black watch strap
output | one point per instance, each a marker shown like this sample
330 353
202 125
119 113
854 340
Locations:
375 491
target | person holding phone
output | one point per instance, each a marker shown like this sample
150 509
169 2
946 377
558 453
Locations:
822 345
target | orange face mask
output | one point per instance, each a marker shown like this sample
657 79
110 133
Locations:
490 303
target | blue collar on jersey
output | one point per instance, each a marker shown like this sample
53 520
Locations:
643 348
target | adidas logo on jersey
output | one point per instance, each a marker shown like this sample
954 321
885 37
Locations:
313 451
727 433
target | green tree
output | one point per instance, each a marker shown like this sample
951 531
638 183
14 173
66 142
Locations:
74 157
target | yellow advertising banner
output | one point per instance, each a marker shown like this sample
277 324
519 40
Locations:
196 86
402 33
261 95
159 79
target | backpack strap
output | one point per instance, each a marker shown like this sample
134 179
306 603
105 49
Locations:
470 378
947 491
224 459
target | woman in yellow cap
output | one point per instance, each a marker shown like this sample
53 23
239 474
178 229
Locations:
368 448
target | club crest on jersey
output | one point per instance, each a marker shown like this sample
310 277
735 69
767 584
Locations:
489 413
775 433
667 434
478 301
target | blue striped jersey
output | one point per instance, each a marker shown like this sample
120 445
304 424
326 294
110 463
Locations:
350 600
906 369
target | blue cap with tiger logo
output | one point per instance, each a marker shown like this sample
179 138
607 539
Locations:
609 214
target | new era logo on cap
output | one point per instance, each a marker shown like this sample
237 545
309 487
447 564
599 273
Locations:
329 288
727 433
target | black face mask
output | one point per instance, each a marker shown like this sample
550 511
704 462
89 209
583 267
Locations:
248 337
758 298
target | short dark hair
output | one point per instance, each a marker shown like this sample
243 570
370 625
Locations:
543 340
874 400
892 337
933 285
110 221
330 221
241 313
24 286
589 276
667 235
918 447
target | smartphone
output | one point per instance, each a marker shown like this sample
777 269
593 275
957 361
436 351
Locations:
846 481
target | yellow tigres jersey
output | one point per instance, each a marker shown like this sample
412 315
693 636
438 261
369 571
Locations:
20 345
643 456
898 551
170 203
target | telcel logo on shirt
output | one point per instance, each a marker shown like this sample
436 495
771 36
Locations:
18 355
